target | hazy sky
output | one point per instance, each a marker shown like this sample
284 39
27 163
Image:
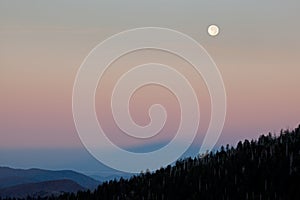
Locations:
42 45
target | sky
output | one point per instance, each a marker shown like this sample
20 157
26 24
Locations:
43 43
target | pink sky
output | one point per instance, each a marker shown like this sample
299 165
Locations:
40 55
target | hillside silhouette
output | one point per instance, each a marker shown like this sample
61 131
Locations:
266 168
42 189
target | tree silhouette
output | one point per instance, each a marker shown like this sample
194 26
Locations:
267 168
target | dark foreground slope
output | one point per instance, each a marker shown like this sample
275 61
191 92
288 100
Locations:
41 189
267 168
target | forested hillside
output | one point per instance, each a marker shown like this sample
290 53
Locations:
267 168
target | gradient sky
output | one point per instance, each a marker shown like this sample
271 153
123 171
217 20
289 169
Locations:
42 45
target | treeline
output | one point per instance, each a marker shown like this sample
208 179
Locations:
267 168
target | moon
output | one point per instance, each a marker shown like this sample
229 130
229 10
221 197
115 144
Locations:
213 30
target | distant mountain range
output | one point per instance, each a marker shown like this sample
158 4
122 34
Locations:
35 182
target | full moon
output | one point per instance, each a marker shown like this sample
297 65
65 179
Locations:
213 30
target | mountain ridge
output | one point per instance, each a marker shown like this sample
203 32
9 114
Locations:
264 168
10 177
